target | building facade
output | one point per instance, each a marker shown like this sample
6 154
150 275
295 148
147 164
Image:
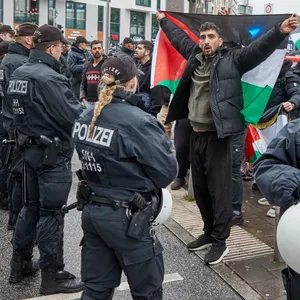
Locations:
134 18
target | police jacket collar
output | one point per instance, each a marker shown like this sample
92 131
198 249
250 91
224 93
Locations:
16 48
133 99
38 56
127 51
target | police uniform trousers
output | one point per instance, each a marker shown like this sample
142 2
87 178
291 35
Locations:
238 154
182 133
107 250
14 184
47 189
211 166
3 167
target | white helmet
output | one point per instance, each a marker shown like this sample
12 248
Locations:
164 210
288 237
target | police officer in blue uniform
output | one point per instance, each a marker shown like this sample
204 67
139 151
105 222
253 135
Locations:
125 155
11 165
44 110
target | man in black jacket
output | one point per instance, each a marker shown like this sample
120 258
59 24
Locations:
155 98
128 47
18 53
77 57
44 110
91 74
210 95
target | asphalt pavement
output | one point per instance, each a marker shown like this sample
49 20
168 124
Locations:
186 277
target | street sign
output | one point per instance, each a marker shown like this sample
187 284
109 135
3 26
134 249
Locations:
269 8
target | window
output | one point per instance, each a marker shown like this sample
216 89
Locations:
143 2
158 4
1 10
115 25
100 18
51 12
75 15
137 25
155 28
26 11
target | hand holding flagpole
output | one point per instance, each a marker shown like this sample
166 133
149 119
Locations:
289 24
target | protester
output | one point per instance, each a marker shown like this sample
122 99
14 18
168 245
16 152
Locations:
117 168
6 33
65 70
159 96
91 74
11 171
44 110
203 96
128 47
77 57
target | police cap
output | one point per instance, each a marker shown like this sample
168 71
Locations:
47 33
26 29
122 67
6 28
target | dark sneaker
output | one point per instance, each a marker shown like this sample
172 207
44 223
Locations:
216 254
237 220
177 184
19 270
202 242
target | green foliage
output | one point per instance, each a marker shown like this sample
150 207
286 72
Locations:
188 198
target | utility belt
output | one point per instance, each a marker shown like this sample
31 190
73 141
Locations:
52 146
139 211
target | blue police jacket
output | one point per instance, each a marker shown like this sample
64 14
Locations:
128 151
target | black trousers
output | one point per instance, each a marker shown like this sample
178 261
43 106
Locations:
238 154
182 133
41 218
107 250
211 172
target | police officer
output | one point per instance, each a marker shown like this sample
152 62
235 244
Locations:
123 150
18 54
44 110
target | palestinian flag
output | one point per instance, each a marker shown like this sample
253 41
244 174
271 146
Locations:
168 65
296 39
259 136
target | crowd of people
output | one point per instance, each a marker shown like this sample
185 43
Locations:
56 95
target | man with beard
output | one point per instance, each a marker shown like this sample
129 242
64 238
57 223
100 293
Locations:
91 74
156 99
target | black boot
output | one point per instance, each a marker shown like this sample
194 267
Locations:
177 184
21 268
60 282
11 221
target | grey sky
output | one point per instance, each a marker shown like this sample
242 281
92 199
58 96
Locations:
280 6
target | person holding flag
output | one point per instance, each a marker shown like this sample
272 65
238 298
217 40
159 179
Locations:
210 95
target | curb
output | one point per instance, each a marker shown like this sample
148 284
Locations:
222 270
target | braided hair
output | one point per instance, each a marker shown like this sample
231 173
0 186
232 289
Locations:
108 87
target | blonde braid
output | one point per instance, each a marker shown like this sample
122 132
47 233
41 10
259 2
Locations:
104 98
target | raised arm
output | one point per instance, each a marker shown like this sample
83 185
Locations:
178 38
